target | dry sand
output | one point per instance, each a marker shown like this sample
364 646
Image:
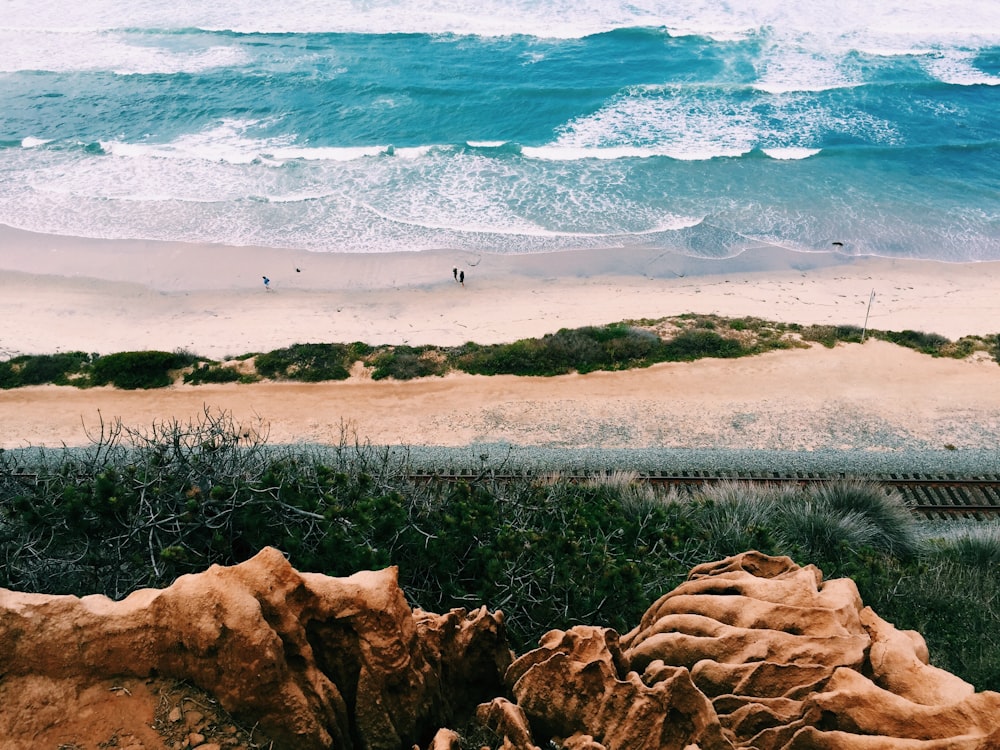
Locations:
60 294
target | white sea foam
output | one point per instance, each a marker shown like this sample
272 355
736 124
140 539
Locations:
280 154
99 51
786 68
576 153
683 123
231 142
300 197
227 142
31 142
791 153
957 68
510 225
667 121
894 23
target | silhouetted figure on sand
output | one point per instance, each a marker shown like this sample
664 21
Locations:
461 278
454 272
267 283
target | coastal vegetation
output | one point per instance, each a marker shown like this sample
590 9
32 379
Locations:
138 508
616 346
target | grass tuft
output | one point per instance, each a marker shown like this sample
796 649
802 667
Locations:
894 525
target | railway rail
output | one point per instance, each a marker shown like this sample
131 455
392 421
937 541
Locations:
930 496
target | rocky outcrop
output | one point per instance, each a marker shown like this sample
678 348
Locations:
750 652
319 662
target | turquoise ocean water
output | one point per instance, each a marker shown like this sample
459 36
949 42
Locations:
701 127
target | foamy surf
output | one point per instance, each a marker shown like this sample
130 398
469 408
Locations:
697 129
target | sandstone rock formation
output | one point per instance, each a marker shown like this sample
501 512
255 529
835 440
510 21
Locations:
319 662
750 652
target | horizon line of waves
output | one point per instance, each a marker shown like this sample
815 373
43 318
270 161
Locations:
250 151
671 224
786 153
612 153
884 40
482 25
488 148
710 240
960 19
686 153
305 197
780 88
889 38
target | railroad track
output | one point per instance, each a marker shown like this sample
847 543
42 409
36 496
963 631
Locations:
931 496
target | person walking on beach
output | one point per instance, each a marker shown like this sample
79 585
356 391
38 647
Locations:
454 272
461 278
267 283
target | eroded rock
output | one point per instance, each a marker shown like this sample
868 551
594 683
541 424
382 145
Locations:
320 662
750 652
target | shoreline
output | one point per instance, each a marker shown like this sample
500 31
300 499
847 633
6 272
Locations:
64 294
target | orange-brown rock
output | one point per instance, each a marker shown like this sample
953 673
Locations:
751 652
320 662
577 686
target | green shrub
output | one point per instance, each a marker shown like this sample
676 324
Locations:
42 369
309 363
615 346
132 370
612 347
635 347
829 336
406 363
964 347
579 349
523 357
10 375
928 343
53 368
213 373
993 346
696 343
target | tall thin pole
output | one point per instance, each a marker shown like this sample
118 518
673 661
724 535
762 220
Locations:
865 329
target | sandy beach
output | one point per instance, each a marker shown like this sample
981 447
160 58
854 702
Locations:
61 294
